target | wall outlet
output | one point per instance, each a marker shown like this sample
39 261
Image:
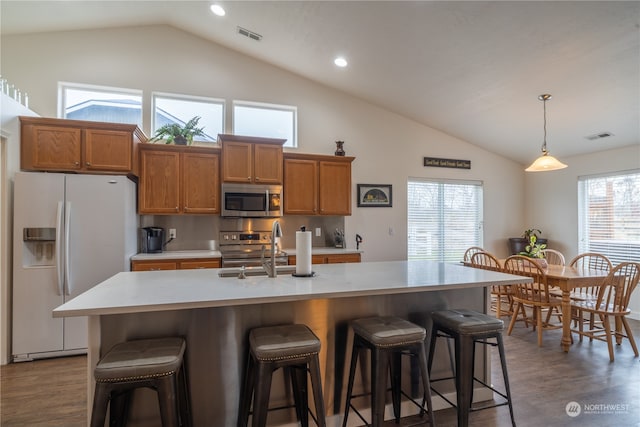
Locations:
172 233
318 232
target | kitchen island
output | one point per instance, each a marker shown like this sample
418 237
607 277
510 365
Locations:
215 314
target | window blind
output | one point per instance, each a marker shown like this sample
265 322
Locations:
444 219
609 216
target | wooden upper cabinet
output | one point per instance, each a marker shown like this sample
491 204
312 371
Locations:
179 180
251 160
201 183
316 184
334 193
49 144
159 184
300 187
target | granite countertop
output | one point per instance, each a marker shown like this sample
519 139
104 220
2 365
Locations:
147 291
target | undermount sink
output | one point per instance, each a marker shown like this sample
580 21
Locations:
255 271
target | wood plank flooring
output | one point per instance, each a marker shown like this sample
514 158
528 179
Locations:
543 381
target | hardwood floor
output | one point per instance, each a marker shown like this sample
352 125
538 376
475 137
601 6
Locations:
543 381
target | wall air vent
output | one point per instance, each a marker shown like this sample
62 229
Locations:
247 33
599 135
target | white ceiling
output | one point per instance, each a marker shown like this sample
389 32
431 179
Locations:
471 69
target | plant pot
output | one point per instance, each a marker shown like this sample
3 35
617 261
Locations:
518 244
180 140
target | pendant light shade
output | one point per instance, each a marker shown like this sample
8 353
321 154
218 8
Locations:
546 162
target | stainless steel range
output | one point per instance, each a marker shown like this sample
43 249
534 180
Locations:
240 248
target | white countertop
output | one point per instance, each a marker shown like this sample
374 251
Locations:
176 255
216 254
144 291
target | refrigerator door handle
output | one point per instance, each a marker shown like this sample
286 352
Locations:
59 254
67 256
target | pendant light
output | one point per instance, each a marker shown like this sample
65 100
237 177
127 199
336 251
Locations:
546 162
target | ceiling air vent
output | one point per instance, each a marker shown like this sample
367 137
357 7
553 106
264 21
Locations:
253 36
598 136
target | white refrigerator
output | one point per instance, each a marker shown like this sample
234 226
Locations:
71 232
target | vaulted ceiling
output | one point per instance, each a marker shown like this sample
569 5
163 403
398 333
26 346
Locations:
471 69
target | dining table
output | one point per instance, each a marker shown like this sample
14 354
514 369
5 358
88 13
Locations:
567 278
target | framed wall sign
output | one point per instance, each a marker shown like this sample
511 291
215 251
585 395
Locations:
374 195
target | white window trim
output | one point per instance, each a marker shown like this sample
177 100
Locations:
180 97
98 88
269 106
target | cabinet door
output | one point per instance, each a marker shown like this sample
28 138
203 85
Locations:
158 191
52 147
267 164
237 162
335 188
153 265
200 183
108 150
300 187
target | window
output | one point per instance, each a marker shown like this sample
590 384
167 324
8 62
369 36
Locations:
266 120
99 103
609 216
180 109
444 219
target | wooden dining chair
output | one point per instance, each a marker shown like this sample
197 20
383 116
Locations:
500 294
533 296
612 302
553 256
469 253
589 261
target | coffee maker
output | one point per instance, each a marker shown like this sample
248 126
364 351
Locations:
151 239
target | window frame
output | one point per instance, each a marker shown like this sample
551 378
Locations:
268 106
441 223
617 250
62 96
180 97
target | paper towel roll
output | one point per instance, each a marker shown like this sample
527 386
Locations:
303 252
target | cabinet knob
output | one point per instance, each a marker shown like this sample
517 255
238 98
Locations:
88 163
248 178
257 178
176 209
77 163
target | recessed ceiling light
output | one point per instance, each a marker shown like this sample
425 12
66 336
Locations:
218 10
340 62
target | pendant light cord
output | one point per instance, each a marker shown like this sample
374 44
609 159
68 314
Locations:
544 144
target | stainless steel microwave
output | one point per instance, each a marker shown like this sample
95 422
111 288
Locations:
251 200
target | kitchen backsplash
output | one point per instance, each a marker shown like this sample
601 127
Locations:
194 232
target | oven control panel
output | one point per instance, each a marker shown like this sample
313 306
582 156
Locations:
245 237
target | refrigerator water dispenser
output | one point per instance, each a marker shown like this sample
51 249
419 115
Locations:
38 247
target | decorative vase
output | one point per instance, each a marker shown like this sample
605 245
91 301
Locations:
543 262
339 149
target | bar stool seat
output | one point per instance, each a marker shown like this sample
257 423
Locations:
466 328
292 347
153 363
387 338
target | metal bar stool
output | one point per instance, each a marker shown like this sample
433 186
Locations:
294 348
388 338
152 363
467 328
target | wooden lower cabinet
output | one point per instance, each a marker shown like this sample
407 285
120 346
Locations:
329 259
175 264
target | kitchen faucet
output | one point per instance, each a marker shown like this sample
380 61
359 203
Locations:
270 265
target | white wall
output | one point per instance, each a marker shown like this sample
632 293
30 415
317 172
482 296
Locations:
9 161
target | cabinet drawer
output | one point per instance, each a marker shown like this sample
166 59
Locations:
153 265
192 265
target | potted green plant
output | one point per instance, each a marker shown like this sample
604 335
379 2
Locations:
518 244
173 133
534 248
